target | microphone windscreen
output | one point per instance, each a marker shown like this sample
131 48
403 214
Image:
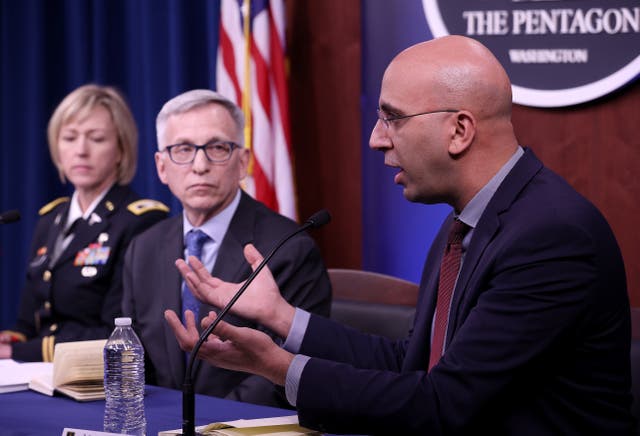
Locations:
319 219
9 216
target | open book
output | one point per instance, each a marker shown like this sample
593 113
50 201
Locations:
277 426
78 371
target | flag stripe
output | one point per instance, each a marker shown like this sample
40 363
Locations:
272 172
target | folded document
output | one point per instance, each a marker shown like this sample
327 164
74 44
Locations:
16 376
277 426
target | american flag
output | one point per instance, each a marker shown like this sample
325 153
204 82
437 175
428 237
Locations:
250 70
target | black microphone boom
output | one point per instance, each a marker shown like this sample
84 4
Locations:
9 216
316 220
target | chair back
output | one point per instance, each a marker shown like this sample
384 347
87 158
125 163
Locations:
635 362
372 302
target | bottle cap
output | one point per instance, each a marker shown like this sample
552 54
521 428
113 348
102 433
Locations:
121 322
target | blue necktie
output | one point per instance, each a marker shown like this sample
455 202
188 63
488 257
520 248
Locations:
194 240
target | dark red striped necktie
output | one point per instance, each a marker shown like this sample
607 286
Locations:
448 274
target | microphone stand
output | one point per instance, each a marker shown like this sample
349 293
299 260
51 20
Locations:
188 394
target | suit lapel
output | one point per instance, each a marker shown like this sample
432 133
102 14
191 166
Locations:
488 226
230 264
169 288
419 346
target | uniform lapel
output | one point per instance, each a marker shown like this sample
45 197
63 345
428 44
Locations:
58 226
87 231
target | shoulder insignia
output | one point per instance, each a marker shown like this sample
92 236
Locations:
146 205
50 206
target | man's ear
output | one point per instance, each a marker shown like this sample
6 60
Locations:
160 167
464 131
245 156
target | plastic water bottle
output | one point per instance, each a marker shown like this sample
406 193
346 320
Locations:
124 381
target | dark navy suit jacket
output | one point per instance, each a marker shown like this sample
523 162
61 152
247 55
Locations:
538 341
152 284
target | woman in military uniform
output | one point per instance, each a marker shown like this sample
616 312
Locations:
73 288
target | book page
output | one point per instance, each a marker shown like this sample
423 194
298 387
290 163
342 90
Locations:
79 361
82 393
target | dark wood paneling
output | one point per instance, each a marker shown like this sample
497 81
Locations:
594 145
323 40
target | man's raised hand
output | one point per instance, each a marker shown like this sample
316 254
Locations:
261 301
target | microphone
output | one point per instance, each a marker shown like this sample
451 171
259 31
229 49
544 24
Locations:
9 216
316 220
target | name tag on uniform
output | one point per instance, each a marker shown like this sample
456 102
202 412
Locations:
89 271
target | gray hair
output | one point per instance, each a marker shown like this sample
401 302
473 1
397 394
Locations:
193 99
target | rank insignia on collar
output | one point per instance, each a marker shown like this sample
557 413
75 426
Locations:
94 218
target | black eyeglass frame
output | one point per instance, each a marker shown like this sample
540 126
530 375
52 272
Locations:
232 146
391 118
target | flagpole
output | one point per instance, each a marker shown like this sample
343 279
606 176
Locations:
246 94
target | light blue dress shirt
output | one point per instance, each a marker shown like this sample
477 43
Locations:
215 228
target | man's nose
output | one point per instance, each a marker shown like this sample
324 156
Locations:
200 162
379 139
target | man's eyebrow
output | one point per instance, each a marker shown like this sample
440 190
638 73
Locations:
389 109
182 140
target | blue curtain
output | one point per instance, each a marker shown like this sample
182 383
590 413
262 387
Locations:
149 49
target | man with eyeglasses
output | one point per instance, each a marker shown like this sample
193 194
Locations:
529 336
202 160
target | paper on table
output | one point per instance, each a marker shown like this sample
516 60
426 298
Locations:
15 376
275 426
43 383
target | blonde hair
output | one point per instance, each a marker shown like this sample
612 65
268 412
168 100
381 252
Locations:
78 104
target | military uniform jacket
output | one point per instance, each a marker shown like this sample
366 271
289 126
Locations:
78 296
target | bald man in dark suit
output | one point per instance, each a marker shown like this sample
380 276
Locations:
535 338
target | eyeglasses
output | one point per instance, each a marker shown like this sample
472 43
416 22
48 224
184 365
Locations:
387 120
215 151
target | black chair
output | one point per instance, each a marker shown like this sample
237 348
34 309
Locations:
372 302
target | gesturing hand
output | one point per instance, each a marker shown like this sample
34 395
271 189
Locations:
235 348
261 302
